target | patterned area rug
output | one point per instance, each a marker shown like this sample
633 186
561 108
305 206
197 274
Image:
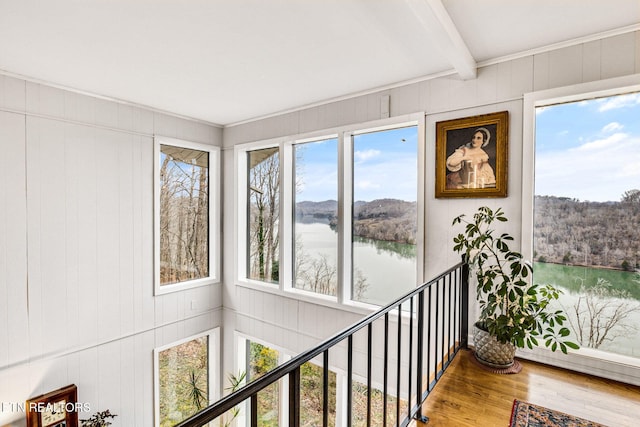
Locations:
525 414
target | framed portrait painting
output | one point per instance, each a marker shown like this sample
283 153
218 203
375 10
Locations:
54 409
471 156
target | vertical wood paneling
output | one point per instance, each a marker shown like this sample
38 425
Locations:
50 173
565 66
12 93
79 108
13 244
127 232
541 71
88 236
637 51
108 237
487 90
128 399
109 369
106 113
76 202
34 290
72 179
618 55
591 54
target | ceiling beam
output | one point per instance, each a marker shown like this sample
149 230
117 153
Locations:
436 21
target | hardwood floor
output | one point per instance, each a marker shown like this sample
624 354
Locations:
470 396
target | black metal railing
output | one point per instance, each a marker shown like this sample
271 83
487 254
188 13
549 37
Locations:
437 318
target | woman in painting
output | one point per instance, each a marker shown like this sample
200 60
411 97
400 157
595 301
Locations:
469 166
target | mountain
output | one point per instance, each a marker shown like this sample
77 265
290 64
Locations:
383 219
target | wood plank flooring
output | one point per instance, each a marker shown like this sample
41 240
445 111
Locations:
470 396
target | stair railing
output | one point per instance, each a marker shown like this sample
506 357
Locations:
440 310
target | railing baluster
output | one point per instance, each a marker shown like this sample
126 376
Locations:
254 410
429 344
437 317
349 378
410 373
420 357
369 351
325 389
386 367
294 398
455 304
464 305
399 364
449 315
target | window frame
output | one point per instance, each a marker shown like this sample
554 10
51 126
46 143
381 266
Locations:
596 362
213 373
344 135
214 214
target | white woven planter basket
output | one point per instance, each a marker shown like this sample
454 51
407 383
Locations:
491 352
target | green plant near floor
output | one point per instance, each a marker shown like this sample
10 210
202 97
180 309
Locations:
235 381
512 308
99 419
196 393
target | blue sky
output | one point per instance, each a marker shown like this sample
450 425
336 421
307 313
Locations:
589 150
385 165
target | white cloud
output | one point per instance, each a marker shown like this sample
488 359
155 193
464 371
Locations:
612 127
598 170
600 144
364 155
619 102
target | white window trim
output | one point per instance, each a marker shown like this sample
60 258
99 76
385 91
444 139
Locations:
344 135
604 364
214 215
213 380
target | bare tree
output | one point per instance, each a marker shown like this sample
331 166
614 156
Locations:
600 314
264 198
184 216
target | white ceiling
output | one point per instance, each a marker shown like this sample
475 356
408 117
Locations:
228 61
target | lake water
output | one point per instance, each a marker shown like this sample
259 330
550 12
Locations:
389 268
569 278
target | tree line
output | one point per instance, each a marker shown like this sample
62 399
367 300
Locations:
389 220
599 234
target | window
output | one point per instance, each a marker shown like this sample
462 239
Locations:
264 215
316 213
186 212
582 151
586 214
347 220
385 189
184 378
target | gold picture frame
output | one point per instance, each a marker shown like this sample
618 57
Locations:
57 408
471 156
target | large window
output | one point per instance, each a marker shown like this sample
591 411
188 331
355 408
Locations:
264 214
316 215
184 378
346 226
385 188
581 153
186 209
587 211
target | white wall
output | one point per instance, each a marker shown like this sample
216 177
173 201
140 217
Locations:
76 251
499 86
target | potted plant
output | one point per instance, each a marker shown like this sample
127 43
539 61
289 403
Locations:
513 311
99 419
